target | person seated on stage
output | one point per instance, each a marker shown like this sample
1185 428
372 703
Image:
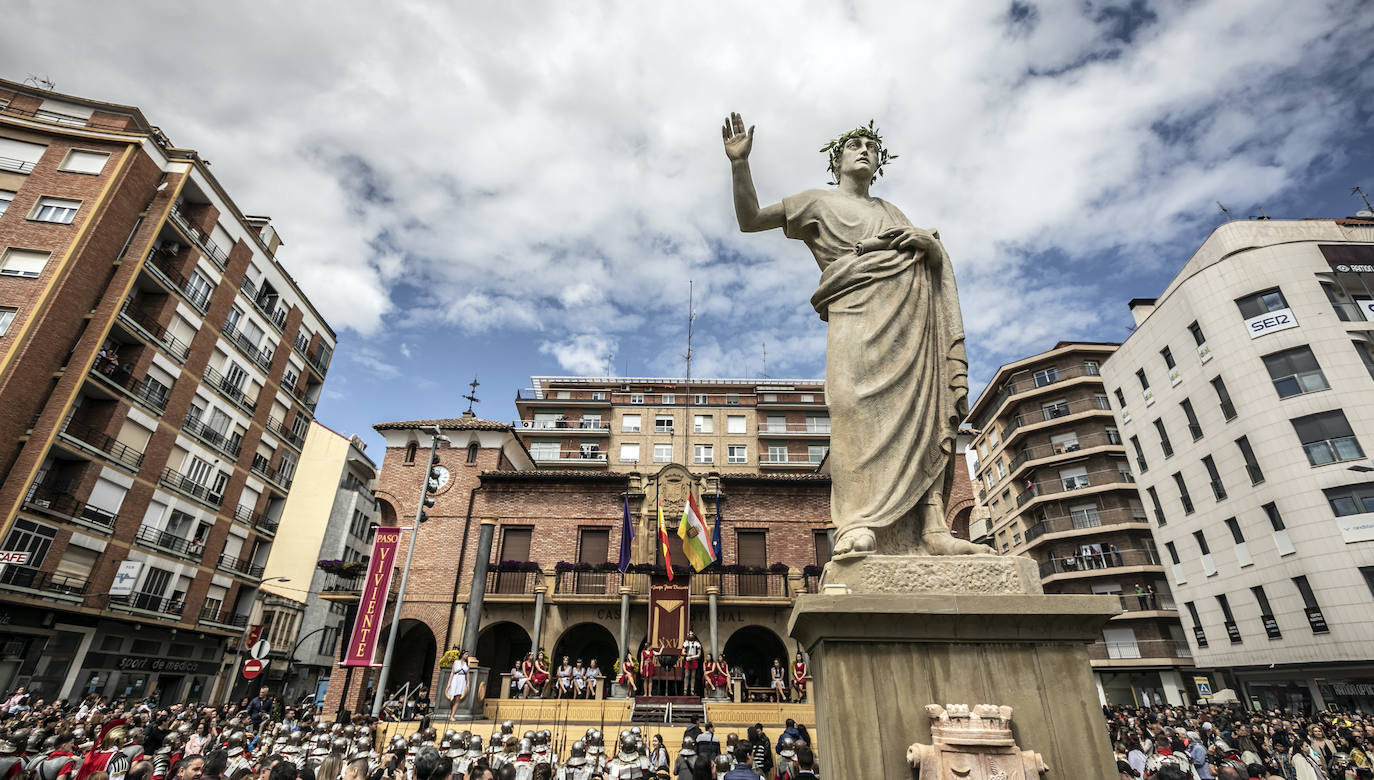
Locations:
778 681
691 661
799 674
579 678
526 675
626 678
565 685
648 660
540 677
593 680
716 675
517 680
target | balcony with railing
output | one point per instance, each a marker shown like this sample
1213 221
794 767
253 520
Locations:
1055 412
265 302
790 459
262 356
160 262
212 250
141 324
590 458
25 579
1043 451
261 466
1099 562
87 438
1080 520
1092 479
1171 650
228 445
594 427
1040 379
280 429
511 583
146 602
1132 605
223 618
240 566
575 397
320 360
188 487
258 520
599 585
57 504
145 390
231 391
149 536
298 394
810 428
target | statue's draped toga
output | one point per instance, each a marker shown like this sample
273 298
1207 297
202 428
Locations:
896 376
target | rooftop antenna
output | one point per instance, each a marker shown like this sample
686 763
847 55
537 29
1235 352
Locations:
765 360
472 397
1225 210
1262 215
1363 197
41 82
691 317
610 356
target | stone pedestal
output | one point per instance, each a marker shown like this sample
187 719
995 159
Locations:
911 631
470 707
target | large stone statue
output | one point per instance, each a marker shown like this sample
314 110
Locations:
896 376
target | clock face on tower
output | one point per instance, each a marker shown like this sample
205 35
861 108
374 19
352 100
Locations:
443 475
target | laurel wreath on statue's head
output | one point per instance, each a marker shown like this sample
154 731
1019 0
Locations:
836 147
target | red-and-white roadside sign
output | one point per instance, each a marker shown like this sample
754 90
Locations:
252 668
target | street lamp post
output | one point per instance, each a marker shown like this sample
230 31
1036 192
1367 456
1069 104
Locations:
243 642
431 485
291 657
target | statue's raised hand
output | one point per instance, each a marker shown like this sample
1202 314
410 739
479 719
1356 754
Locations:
738 142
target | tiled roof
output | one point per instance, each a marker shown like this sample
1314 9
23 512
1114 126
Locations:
451 423
758 477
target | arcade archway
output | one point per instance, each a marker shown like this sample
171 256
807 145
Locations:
587 641
414 658
751 650
387 513
501 645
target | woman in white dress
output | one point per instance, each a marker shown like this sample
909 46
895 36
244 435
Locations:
779 683
458 679
579 677
593 680
565 687
517 680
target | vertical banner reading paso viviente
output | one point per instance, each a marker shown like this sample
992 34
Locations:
372 606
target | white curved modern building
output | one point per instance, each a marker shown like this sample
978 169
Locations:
1246 399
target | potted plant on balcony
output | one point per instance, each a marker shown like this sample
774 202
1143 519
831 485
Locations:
343 568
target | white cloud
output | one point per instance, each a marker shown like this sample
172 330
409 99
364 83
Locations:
553 168
583 355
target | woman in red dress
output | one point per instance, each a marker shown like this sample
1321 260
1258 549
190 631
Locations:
627 674
647 661
527 669
717 675
541 674
799 674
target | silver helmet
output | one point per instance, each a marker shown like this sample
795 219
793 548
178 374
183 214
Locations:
787 747
689 747
578 756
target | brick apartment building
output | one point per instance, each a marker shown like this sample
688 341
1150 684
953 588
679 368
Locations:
554 485
1057 482
160 369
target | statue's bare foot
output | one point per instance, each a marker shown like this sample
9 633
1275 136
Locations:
855 543
942 543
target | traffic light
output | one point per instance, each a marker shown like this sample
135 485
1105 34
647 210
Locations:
431 485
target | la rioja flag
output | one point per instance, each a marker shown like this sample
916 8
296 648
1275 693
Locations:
696 539
663 541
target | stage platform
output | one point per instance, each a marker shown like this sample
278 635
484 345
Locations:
570 719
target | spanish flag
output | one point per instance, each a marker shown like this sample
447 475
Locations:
663 541
696 544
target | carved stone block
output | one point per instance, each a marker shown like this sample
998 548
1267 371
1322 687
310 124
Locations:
973 743
912 574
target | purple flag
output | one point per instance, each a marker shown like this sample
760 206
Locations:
627 537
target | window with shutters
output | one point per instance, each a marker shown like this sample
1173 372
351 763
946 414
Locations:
33 538
6 198
19 156
751 549
703 423
737 453
59 210
735 424
629 453
7 315
26 263
515 546
821 541
81 161
1295 371
629 423
594 547
1326 437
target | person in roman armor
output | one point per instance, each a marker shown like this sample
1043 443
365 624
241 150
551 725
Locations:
576 767
542 754
691 661
11 764
234 748
799 675
61 762
626 678
162 758
472 755
625 765
524 760
494 749
107 757
787 766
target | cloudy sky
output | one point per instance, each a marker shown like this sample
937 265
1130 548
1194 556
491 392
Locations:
507 189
